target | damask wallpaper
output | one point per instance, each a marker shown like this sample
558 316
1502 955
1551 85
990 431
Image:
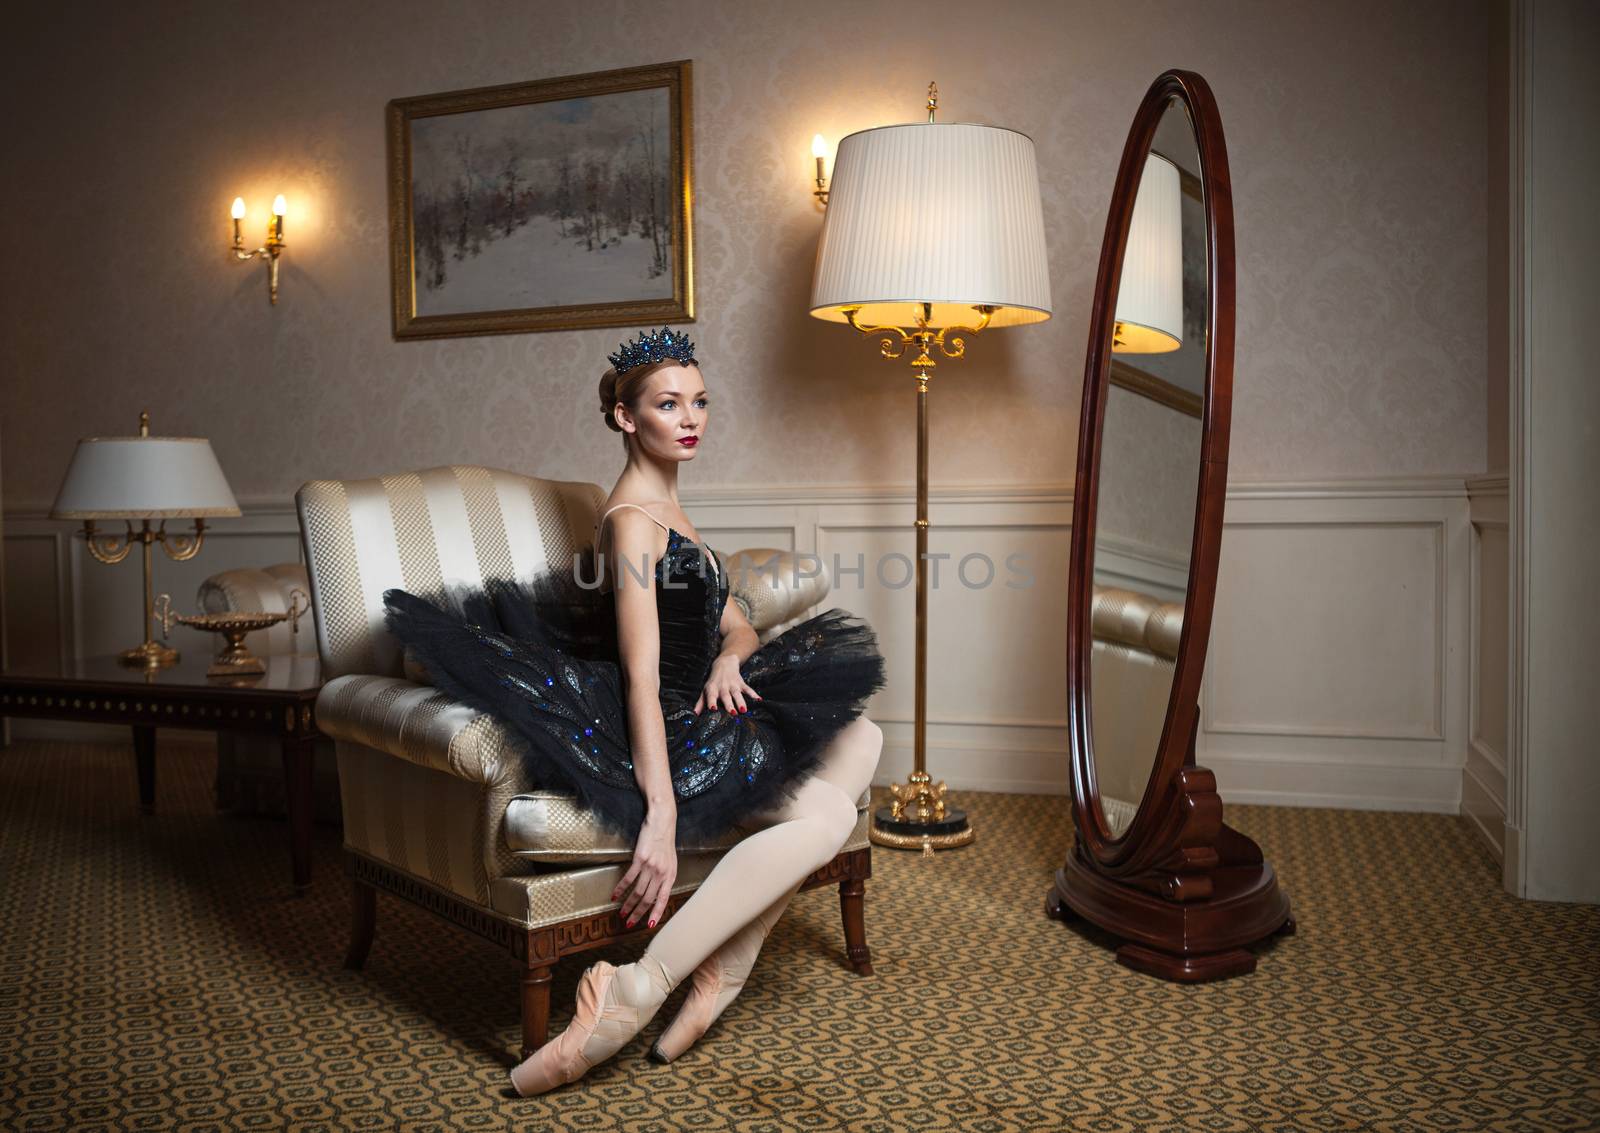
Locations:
1356 134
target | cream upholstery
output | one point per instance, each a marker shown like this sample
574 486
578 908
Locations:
550 896
417 530
429 786
1135 643
250 766
550 826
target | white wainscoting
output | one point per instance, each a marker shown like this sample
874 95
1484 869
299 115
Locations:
1338 673
1483 778
1337 669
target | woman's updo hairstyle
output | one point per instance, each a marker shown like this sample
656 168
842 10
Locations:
621 389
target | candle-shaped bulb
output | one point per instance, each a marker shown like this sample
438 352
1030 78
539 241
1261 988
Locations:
819 148
277 205
238 207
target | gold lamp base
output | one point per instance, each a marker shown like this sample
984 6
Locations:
918 817
150 655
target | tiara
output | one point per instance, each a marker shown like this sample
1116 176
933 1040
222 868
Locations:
653 346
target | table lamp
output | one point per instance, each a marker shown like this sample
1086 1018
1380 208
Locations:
144 478
931 228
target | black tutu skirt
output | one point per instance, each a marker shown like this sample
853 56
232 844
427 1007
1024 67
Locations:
541 656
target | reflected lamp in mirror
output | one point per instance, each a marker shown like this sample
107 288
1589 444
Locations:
144 478
1149 318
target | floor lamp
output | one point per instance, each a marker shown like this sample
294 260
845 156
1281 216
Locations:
932 230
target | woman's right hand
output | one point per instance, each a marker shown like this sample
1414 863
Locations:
654 869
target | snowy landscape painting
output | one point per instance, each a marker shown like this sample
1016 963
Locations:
542 206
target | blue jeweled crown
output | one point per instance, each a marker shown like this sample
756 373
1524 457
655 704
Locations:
653 346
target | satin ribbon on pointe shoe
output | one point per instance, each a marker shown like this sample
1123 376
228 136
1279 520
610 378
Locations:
602 1024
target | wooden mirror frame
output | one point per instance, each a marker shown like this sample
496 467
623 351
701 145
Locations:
1184 891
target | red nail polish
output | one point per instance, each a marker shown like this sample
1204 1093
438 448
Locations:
652 924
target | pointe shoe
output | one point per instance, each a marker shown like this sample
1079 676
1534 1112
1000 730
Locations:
614 1004
714 984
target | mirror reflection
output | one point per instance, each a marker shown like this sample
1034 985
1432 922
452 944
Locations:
1149 469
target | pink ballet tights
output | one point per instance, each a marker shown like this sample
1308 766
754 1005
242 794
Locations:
752 883
718 931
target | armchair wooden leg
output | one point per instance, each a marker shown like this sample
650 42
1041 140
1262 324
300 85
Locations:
364 919
535 1007
852 905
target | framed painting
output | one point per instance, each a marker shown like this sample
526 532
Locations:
556 204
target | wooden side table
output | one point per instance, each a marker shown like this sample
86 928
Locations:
100 690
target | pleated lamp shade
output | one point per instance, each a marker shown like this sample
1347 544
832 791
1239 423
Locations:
143 477
945 213
1150 298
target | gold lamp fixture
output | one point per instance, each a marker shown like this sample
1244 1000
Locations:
931 230
144 478
270 251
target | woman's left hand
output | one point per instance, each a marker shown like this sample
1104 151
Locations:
725 688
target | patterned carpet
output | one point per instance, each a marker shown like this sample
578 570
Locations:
156 973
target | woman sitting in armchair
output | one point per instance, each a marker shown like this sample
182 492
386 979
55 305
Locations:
675 722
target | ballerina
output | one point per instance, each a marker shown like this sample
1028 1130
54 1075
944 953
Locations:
651 696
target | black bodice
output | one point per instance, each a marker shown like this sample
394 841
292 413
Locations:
691 591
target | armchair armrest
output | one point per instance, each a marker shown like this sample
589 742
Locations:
419 724
774 587
425 780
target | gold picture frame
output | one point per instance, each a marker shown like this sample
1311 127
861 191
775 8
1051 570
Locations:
556 204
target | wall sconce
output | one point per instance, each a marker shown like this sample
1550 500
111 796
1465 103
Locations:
819 150
270 251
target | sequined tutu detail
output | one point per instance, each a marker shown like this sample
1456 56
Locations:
540 656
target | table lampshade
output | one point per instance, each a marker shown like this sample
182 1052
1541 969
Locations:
1150 297
944 213
143 478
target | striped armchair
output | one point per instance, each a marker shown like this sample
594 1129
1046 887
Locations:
437 808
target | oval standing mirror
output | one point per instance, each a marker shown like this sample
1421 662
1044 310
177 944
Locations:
1153 862
1149 472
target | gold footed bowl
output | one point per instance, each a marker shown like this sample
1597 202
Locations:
234 660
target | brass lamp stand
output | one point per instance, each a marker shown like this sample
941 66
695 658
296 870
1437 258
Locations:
918 816
114 548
